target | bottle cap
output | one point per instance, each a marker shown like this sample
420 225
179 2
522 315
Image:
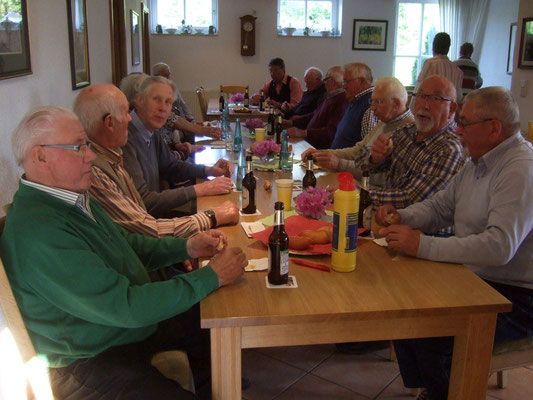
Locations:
309 156
278 205
346 182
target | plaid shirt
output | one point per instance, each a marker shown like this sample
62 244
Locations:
418 169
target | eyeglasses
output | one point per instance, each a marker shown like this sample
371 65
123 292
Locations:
430 97
463 125
345 82
378 101
74 147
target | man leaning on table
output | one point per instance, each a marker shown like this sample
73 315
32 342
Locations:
389 105
111 185
312 97
81 282
281 88
148 159
489 202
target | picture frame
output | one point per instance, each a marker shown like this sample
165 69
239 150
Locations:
370 34
78 39
512 45
135 38
525 59
15 59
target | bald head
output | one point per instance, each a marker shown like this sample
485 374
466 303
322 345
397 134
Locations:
103 112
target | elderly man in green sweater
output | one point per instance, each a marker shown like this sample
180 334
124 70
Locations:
81 282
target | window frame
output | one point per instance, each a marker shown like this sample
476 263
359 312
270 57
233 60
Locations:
336 21
421 58
194 30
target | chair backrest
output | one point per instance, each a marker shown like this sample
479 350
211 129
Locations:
203 102
232 89
36 376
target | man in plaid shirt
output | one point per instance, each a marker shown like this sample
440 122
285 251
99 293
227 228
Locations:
419 159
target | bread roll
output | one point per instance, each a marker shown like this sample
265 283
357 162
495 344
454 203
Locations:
329 230
316 237
299 243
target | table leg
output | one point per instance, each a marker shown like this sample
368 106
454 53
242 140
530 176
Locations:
226 363
472 353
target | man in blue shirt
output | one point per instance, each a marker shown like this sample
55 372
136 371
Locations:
358 119
489 202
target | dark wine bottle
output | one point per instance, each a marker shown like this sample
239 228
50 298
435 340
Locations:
262 101
309 178
248 188
278 249
279 129
221 101
246 99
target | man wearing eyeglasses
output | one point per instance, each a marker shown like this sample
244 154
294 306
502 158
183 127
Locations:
489 202
358 119
81 282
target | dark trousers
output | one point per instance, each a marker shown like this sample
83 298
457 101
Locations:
427 362
125 372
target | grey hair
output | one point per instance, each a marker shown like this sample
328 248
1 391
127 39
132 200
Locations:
91 109
448 88
159 67
496 102
336 73
317 73
34 127
147 84
130 85
360 70
393 88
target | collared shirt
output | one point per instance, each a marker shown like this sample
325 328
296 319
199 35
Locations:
145 133
127 209
80 200
490 204
296 89
417 169
442 66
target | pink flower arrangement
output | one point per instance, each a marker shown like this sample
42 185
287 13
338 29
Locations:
252 123
265 147
236 98
313 202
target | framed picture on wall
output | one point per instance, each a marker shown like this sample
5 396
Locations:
14 40
78 43
135 38
510 51
525 59
369 34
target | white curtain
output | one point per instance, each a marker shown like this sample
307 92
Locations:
464 21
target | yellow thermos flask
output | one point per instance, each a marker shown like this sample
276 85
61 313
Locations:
345 213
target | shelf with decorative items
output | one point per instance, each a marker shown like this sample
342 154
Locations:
308 32
186 30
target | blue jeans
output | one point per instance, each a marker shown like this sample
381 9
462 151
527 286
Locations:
427 362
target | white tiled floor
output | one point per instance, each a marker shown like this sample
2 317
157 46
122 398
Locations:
320 372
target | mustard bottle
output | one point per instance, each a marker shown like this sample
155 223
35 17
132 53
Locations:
345 213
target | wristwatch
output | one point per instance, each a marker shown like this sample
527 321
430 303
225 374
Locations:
211 215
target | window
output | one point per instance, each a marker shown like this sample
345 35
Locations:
309 17
417 24
184 16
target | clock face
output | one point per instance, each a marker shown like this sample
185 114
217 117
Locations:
248 26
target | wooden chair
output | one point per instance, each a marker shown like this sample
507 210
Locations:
515 354
232 89
172 364
203 102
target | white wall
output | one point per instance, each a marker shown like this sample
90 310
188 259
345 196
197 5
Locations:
50 83
525 97
493 55
209 61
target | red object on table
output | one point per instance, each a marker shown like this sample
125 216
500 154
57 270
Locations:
311 265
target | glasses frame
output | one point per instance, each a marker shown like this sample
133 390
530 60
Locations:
462 125
433 98
74 147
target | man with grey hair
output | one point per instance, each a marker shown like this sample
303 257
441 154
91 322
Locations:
489 202
358 119
111 185
312 97
389 105
130 86
81 281
319 127
148 159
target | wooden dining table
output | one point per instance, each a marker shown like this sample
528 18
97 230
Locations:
388 296
213 111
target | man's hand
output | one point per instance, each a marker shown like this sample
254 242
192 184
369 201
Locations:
403 238
255 99
229 265
205 244
308 151
286 123
326 159
222 167
380 150
274 103
296 133
387 215
227 213
285 107
210 131
220 185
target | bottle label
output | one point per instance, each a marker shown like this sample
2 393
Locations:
284 262
245 200
348 243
